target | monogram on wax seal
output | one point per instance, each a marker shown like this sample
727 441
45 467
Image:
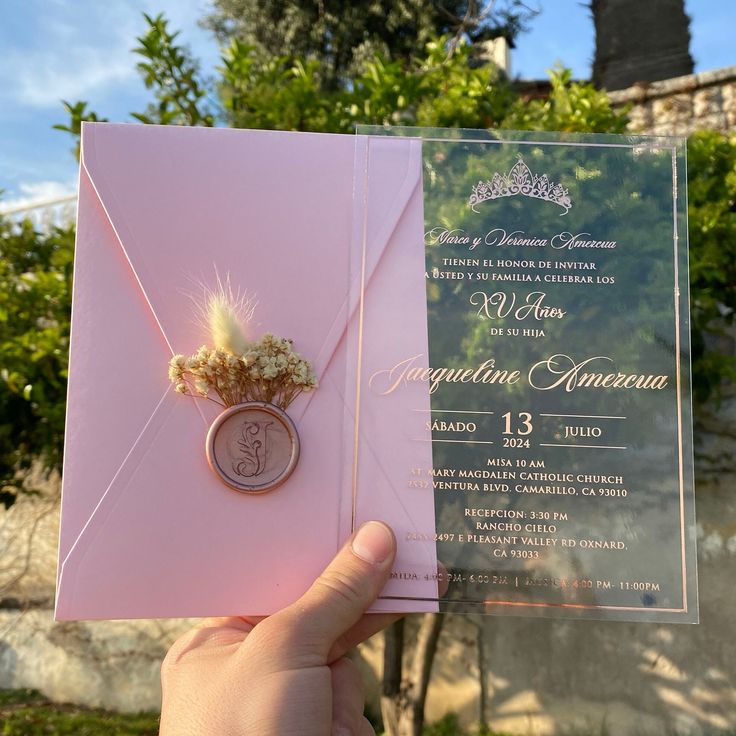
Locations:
253 445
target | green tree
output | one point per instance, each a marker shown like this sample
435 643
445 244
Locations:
342 36
35 304
170 71
435 90
78 113
712 226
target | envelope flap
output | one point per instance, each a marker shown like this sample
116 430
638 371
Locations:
112 389
271 209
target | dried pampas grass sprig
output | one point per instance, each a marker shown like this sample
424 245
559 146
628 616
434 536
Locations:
225 327
225 314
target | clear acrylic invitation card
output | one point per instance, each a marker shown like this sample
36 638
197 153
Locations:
537 361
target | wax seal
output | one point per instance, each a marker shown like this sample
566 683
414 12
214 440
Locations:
253 447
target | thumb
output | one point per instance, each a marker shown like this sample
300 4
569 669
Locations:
341 594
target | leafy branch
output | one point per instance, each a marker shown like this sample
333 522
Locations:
171 71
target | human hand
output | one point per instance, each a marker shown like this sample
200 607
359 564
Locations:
284 675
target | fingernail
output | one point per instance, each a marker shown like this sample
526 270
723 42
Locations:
374 542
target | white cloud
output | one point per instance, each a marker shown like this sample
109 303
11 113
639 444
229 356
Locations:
88 70
82 50
72 54
33 193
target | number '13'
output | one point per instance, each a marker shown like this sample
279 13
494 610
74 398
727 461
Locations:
525 423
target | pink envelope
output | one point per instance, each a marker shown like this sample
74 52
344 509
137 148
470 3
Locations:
324 230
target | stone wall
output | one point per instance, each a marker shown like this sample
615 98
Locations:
110 664
682 105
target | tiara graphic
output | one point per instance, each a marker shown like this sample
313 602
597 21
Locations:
520 180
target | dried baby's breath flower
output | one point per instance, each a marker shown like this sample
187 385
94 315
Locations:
269 370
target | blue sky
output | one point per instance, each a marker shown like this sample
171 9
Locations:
80 49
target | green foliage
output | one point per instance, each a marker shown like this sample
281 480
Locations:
383 93
27 713
274 93
444 84
449 725
35 303
435 90
171 72
342 36
78 112
20 697
712 225
570 107
457 92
